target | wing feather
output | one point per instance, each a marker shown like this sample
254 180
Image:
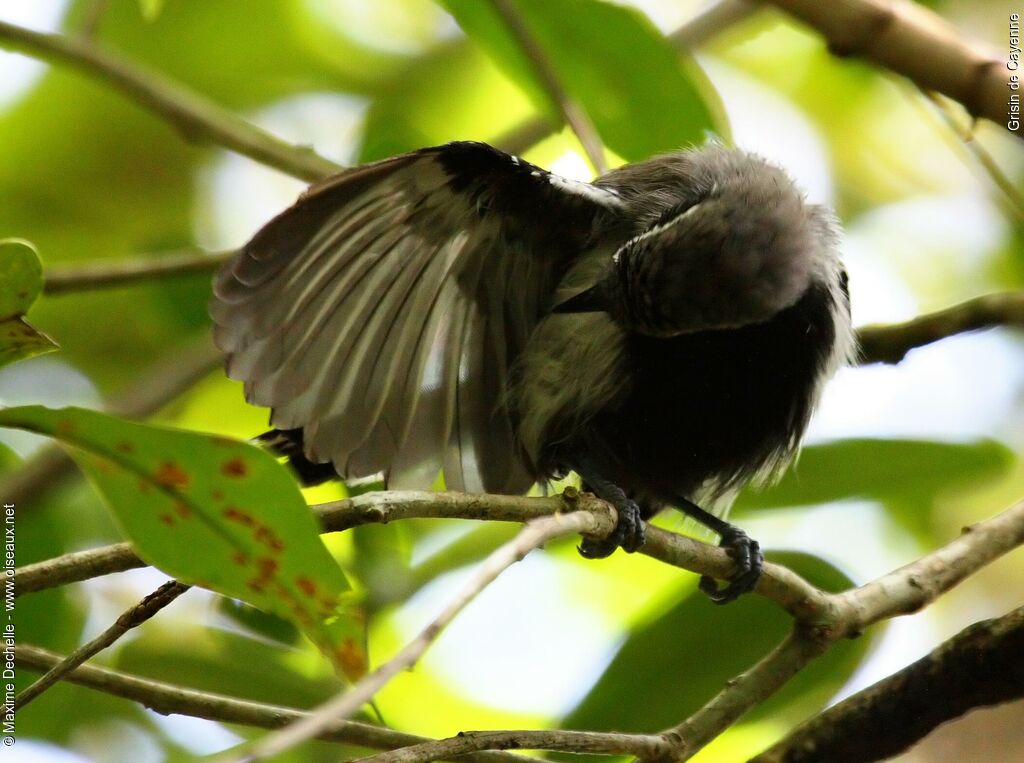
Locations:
383 312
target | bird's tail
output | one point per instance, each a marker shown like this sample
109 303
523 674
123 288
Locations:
288 443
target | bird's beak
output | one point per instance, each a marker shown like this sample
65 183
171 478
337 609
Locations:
592 300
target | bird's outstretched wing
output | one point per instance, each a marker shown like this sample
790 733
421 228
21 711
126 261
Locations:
382 313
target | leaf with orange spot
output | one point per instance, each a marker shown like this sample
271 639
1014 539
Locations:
212 512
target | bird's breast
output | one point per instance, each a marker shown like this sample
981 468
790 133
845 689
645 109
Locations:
711 405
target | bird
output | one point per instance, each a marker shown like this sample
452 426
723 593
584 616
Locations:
664 331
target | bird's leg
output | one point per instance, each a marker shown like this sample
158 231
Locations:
743 549
628 532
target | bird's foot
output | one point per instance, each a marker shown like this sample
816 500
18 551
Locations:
629 533
746 552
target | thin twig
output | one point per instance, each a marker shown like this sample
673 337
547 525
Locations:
588 742
911 40
575 116
169 699
132 618
522 137
196 117
901 592
965 134
105 274
533 536
711 22
979 666
696 32
891 343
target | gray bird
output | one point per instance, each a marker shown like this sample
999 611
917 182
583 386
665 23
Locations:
664 332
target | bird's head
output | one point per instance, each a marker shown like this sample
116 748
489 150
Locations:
740 247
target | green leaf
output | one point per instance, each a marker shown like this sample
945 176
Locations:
256 620
674 664
151 9
21 277
212 512
381 562
888 471
642 95
228 663
479 103
21 281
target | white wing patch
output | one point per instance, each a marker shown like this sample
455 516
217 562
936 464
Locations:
606 197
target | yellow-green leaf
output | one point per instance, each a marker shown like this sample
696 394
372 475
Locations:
151 9
21 280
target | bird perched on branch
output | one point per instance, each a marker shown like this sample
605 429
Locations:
664 331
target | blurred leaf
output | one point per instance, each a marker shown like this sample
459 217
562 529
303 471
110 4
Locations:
259 622
8 459
227 663
212 512
52 618
642 95
381 562
94 154
151 9
671 666
467 549
888 471
21 277
21 281
478 103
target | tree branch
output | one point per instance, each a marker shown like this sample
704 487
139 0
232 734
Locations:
75 567
132 618
979 666
845 615
108 274
891 343
195 116
786 588
533 536
592 742
575 116
913 41
168 699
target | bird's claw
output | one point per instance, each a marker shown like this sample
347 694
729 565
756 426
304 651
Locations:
629 533
746 553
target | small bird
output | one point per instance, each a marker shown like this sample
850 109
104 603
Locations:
664 332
